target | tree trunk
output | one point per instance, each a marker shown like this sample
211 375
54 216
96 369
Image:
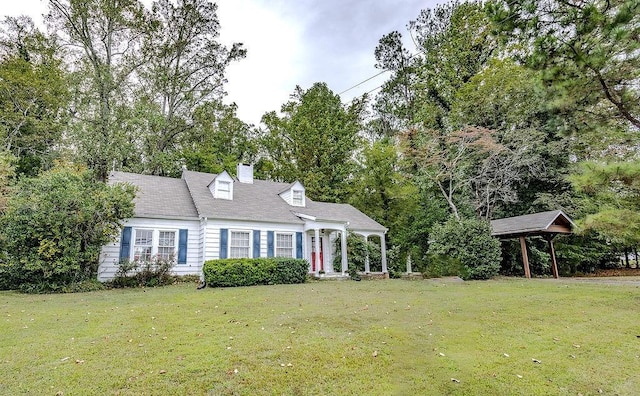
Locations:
626 258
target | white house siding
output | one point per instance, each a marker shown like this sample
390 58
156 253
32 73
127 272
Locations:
212 247
110 254
286 195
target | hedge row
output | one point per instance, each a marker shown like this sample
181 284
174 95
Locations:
258 271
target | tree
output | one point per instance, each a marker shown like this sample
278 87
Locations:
614 192
589 51
218 141
33 96
184 71
455 164
56 224
470 242
509 99
456 43
395 105
103 38
381 190
313 142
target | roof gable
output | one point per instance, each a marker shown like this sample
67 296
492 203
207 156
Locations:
294 195
221 187
554 221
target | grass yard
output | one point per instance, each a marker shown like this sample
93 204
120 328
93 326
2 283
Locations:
502 337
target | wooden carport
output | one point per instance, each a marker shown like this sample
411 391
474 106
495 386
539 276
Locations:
544 224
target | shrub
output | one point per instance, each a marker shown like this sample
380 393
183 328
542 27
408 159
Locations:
357 250
258 271
150 273
55 225
440 266
470 242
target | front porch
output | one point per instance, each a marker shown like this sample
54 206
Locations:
327 250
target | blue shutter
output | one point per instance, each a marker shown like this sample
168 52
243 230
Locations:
125 244
182 246
256 243
298 245
224 233
269 243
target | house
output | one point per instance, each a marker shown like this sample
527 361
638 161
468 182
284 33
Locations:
204 216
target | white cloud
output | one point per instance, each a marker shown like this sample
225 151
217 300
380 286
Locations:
275 58
33 8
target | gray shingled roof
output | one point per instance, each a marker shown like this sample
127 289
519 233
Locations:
341 212
529 224
260 202
158 196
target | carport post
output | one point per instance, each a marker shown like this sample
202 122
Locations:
552 251
525 258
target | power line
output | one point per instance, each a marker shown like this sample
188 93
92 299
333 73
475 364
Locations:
509 4
364 81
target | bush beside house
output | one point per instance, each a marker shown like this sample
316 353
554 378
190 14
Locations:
467 242
54 227
258 271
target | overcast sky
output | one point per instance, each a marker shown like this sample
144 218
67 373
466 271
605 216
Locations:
294 42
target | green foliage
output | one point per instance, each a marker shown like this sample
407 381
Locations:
585 254
56 224
470 242
588 51
357 252
184 76
313 142
149 273
440 266
258 271
382 191
615 190
218 141
34 95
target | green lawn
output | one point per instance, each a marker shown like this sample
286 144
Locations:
345 338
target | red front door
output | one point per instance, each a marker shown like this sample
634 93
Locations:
313 255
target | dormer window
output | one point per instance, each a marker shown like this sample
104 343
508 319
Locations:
297 198
224 189
294 195
222 186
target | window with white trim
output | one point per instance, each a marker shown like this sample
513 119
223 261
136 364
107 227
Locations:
284 245
239 244
167 245
154 243
297 198
143 245
224 189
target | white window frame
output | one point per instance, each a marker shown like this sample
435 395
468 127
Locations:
155 243
280 249
231 247
224 193
297 201
147 247
173 254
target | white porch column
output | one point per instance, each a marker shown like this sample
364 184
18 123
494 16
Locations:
343 251
367 267
316 233
383 252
